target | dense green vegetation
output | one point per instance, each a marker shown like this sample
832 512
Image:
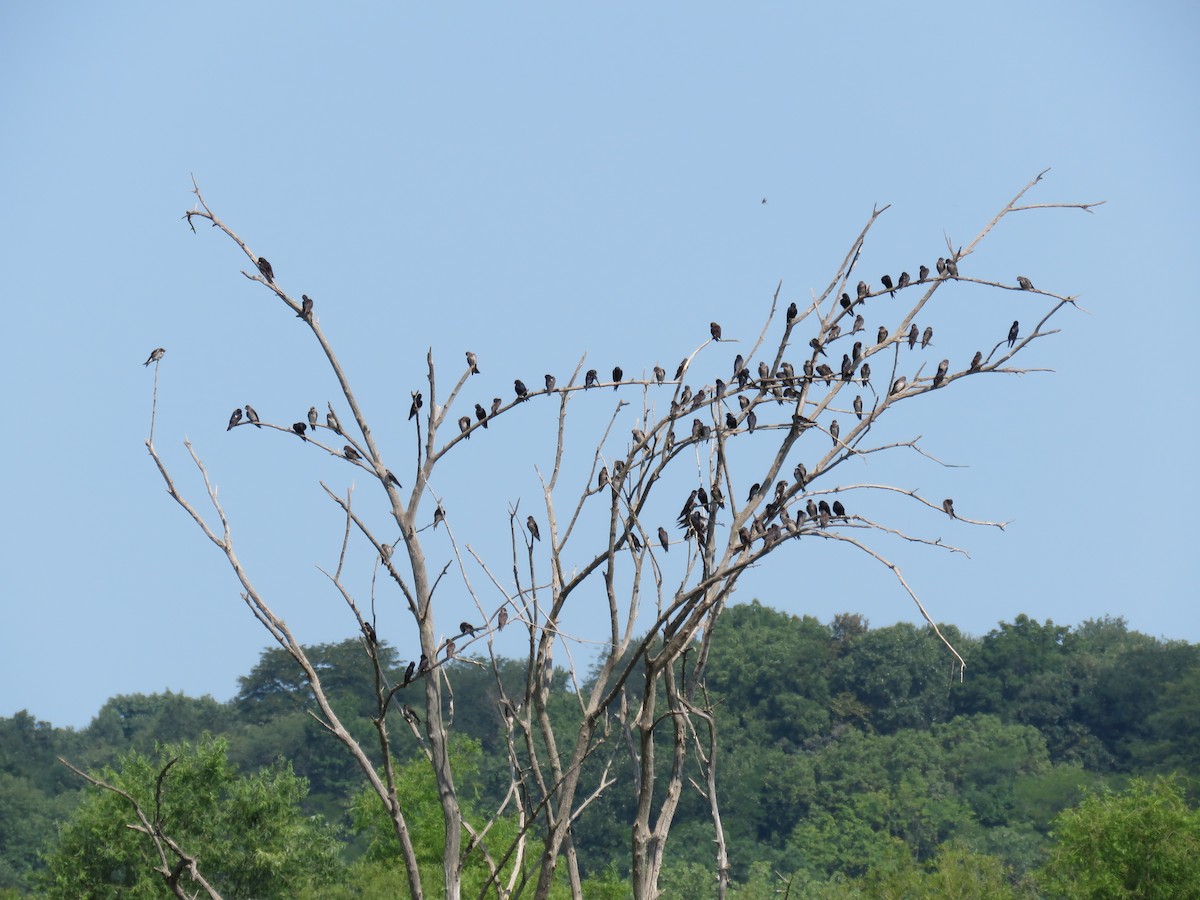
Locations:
853 763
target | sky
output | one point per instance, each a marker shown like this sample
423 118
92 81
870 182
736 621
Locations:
541 182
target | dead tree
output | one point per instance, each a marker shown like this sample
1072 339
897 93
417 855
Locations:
687 438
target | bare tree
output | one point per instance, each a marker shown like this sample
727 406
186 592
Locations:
754 445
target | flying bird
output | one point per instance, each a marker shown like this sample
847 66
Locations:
417 402
265 268
926 336
976 360
481 414
591 379
715 330
550 382
521 390
942 369
155 355
531 524
312 418
351 454
948 506
472 364
300 428
887 283
617 376
664 539
660 374
1012 333
912 336
332 421
858 406
252 416
1025 283
235 418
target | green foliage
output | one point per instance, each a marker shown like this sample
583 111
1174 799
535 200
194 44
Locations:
1141 843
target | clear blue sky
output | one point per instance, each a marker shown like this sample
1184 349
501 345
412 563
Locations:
539 182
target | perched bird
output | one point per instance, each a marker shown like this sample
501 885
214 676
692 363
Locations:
635 542
332 422
792 312
941 266
738 364
923 272
423 665
251 416
865 374
899 385
926 336
887 283
1012 333
730 421
838 510
824 513
299 428
856 353
904 281
502 618
834 430
834 332
155 355
881 335
847 367
464 424
825 372
754 489
664 539
863 290
591 379
764 372
811 508
312 418
952 267
815 343
744 538
521 390
858 406
417 402
940 375
531 524
550 382
859 324
751 421
912 336
450 648
660 374
800 473
408 672
351 454
466 628
617 375
369 631
472 364
976 360
496 403
481 414
265 268
1025 283
845 302
948 506
234 418
602 478
808 369
715 330
682 367
306 307
392 478
439 515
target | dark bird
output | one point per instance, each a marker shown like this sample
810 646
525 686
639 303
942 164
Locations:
808 369
1025 283
660 374
531 524
811 508
265 268
941 266
464 424
502 618
715 330
299 428
845 302
774 534
155 355
635 542
450 648
792 312
865 374
369 631
976 360
664 539
847 367
948 506
410 715
834 430
926 336
912 335
234 418
952 267
617 375
923 273
423 665
680 370
815 343
764 372
825 372
1012 333
839 511
550 382
591 379
751 421
417 402
481 414
408 672
472 364
856 354
834 332
859 325
312 418
252 416
439 515
905 280
858 406
887 283
332 422
764 201
940 375
519 387
900 384
466 628
306 306
730 421
824 513
350 453
602 478
744 538
754 489
863 290
392 478
881 335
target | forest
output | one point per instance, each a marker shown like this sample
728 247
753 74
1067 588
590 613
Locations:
853 762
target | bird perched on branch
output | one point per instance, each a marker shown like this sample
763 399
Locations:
912 335
417 402
859 324
331 421
941 266
899 385
865 374
531 524
887 283
858 406
408 672
792 312
881 335
466 628
715 330
234 418
682 367
472 364
904 281
550 382
521 391
923 273
1013 332
664 539
351 454
976 360
660 374
312 418
299 428
617 376
948 506
926 336
1025 283
265 267
502 618
481 415
940 375
863 290
252 416
464 424
591 379
306 308
155 355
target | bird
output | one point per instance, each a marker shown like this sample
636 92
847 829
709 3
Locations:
825 372
591 379
856 353
1025 283
450 648
825 513
423 665
952 268
300 428
496 402
472 364
682 367
838 510
481 414
252 416
265 268
550 382
863 290
521 390
881 335
924 273
904 281
845 302
602 478
155 355
439 515
815 343
331 420
887 283
754 489
847 367
899 385
942 369
834 332
834 430
865 374
976 360
744 538
306 307
464 424
941 266
948 506
664 539
312 418
739 363
764 371
417 402
392 478
351 454
912 336
792 312
858 406
635 542
369 631
808 369
466 628
1012 333
751 421
617 375
234 418
730 421
408 672
502 618
531 524
926 336
715 330
811 508
660 374
800 473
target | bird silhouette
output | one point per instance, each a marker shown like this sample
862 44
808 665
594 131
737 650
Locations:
754 489
1012 333
306 308
887 283
472 364
481 414
923 273
792 312
1025 283
417 402
715 330
299 428
679 372
439 516
926 336
912 336
531 524
502 618
839 511
751 421
976 360
351 454
834 430
155 355
550 382
664 539
591 379
423 665
234 418
408 672
865 374
466 628
847 367
252 416
265 268
948 506
859 324
617 375
940 375
941 266
521 391
904 281
881 335
800 473
660 374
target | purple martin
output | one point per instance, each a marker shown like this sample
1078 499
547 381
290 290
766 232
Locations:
531 524
926 336
923 273
881 335
466 628
744 539
235 418
502 618
887 283
252 416
834 332
299 428
635 542
715 330
698 399
679 371
743 378
824 513
865 374
774 535
941 266
863 290
439 516
265 268
738 364
686 396
808 369
751 421
450 648
423 665
942 369
763 371
1025 283
800 473
332 422
847 367
408 672
471 363
858 406
912 336
602 478
730 421
155 355
904 281
834 430
788 372
417 402
496 403
664 539
369 631
464 424
481 414
306 307
948 506
792 312
312 418
811 508
952 267
845 302
550 382
660 374
350 453
825 372
392 478
743 401
617 375
976 360
900 384
520 389
859 325
754 489
816 345
839 511
856 355
1012 333
591 379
